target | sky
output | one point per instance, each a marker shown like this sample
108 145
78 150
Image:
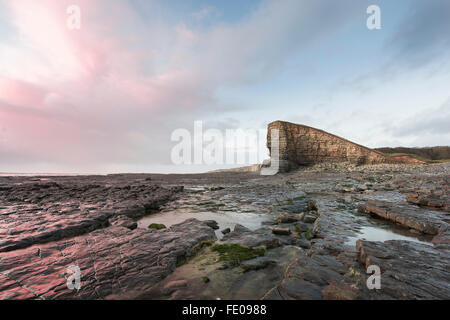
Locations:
107 97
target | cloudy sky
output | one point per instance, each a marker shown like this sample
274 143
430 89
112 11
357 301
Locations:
106 97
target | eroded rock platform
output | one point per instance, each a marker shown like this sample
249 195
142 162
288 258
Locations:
115 262
315 242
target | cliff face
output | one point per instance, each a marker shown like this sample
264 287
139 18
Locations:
303 145
432 153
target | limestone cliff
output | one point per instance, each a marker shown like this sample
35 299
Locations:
303 145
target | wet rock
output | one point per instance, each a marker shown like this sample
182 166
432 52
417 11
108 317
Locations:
262 274
362 188
226 230
123 221
312 206
67 209
172 286
328 268
431 201
302 243
113 261
206 279
296 205
256 264
408 270
442 238
246 237
426 221
288 218
341 291
211 223
309 218
240 229
214 188
306 277
281 231
176 189
345 190
301 227
269 223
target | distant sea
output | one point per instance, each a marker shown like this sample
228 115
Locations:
14 174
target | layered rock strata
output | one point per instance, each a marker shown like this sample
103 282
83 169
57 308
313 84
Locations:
303 145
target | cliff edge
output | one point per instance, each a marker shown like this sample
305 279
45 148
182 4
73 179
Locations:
301 145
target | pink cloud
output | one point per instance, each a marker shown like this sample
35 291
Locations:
85 93
21 93
111 91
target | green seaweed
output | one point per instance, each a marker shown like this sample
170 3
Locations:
309 234
233 254
157 226
298 229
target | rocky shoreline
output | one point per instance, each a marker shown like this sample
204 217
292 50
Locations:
322 226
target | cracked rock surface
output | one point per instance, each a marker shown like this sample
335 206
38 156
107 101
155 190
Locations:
41 211
114 261
320 228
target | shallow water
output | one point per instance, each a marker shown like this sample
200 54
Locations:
379 234
252 221
5 174
391 196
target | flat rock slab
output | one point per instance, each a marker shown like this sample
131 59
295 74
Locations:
38 212
408 270
306 277
333 270
409 216
203 278
441 202
114 262
263 237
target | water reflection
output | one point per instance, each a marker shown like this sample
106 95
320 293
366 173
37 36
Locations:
379 234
